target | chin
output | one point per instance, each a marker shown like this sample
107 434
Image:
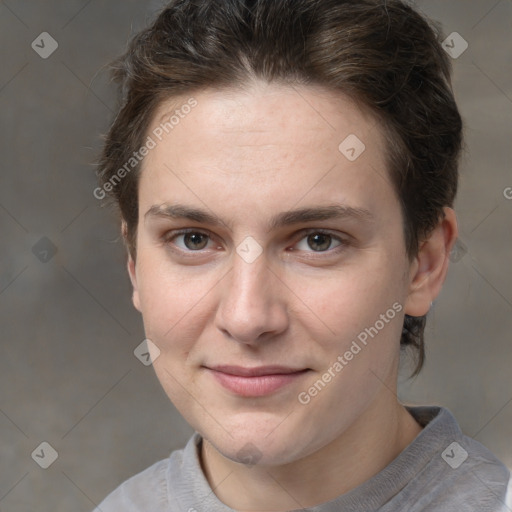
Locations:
251 444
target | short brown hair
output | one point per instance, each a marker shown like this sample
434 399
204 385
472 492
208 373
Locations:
382 54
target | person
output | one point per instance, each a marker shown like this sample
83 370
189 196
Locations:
285 173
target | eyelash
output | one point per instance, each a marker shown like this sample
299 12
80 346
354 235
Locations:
301 235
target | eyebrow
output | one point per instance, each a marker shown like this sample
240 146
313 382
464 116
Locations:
283 219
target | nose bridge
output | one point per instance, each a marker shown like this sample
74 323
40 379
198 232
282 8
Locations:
250 303
250 283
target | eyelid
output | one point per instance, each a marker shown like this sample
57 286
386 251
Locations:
343 240
297 237
168 238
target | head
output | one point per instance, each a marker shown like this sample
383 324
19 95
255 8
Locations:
237 114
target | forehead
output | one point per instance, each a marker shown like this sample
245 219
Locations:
278 111
276 144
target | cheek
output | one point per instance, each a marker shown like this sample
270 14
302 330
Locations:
365 310
173 300
174 307
349 300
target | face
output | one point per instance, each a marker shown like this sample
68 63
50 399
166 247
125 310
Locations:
271 269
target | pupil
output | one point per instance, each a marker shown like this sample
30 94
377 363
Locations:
321 241
195 240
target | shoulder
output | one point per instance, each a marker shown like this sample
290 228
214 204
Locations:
164 486
146 490
481 478
460 473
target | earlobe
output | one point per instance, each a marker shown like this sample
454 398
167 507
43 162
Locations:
429 268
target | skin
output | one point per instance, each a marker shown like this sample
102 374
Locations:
246 155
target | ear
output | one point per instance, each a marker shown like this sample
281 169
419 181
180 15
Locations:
428 269
132 271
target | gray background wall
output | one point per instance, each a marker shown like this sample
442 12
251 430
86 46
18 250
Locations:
68 375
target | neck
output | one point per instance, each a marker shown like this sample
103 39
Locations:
378 436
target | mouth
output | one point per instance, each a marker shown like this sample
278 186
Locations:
257 381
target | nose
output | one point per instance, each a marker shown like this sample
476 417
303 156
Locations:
252 305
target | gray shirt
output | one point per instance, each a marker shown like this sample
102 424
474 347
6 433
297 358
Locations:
441 470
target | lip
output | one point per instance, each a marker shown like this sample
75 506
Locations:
258 381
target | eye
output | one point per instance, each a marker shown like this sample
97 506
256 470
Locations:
319 241
189 240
